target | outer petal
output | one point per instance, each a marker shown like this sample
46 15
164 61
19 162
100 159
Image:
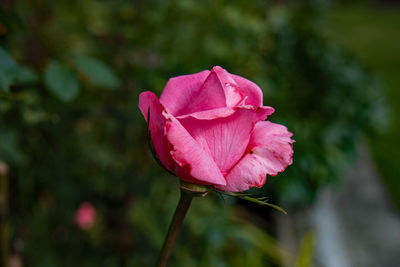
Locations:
191 93
195 164
150 106
270 151
251 90
224 134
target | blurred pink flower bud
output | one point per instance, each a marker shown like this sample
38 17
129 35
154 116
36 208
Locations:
85 216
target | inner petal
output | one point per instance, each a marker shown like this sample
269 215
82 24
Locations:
233 93
209 95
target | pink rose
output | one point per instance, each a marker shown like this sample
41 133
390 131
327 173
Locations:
85 216
209 128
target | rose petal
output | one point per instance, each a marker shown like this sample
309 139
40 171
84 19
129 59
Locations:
210 114
224 112
150 106
202 91
233 94
192 93
194 163
270 151
251 91
225 138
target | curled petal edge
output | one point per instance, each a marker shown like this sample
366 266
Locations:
270 157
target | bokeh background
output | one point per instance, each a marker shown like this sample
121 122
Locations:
71 132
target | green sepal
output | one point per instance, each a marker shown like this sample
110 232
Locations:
263 201
194 189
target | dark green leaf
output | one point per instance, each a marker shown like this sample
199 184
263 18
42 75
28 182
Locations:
99 73
61 81
6 61
10 149
7 69
5 80
25 75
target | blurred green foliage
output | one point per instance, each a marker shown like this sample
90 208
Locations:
71 131
325 98
372 34
304 258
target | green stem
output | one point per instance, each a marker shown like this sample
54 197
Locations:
175 226
4 228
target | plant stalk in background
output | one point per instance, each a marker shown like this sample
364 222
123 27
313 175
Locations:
4 229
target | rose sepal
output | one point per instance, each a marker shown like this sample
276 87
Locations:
195 190
263 201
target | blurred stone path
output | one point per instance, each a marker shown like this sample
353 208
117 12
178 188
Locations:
356 225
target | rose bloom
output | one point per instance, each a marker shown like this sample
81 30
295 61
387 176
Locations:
210 128
85 216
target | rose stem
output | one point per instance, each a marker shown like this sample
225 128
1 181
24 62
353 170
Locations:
175 226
